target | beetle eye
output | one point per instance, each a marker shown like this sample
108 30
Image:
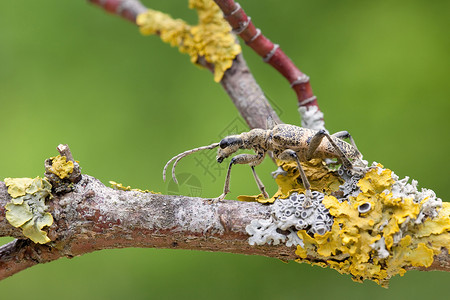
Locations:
230 141
223 144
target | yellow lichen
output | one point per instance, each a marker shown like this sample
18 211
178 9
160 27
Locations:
119 186
376 180
436 226
27 207
17 186
348 247
420 256
377 243
33 230
378 231
61 167
319 176
301 252
211 38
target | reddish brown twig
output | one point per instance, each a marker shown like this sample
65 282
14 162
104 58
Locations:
127 9
270 52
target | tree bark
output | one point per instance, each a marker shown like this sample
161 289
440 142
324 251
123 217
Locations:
94 217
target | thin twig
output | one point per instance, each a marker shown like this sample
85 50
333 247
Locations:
270 52
127 9
64 150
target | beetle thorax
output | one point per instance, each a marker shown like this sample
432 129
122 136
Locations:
255 138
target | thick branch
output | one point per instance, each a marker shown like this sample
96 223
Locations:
95 217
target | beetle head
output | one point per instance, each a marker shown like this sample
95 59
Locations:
228 146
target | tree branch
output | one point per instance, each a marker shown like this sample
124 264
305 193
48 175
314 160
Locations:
270 52
94 217
127 9
19 255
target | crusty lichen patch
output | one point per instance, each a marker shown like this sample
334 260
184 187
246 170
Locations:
119 186
61 167
211 38
383 241
27 207
381 225
320 177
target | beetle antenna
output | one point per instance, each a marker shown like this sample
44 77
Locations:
180 156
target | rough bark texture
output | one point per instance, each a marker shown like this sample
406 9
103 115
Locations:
246 95
95 217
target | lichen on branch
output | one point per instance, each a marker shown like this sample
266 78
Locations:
371 225
121 187
210 39
27 209
61 167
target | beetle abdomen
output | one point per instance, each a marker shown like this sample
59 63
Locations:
290 136
296 138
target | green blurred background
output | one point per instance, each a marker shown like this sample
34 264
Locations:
70 73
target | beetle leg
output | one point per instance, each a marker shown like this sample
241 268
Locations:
345 135
315 142
243 159
291 155
259 183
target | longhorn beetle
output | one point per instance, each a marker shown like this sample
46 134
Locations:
287 143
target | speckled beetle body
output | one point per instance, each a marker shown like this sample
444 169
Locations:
285 136
287 143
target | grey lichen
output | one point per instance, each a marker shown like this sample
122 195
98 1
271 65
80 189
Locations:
430 203
264 232
401 188
312 117
287 217
349 187
380 247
